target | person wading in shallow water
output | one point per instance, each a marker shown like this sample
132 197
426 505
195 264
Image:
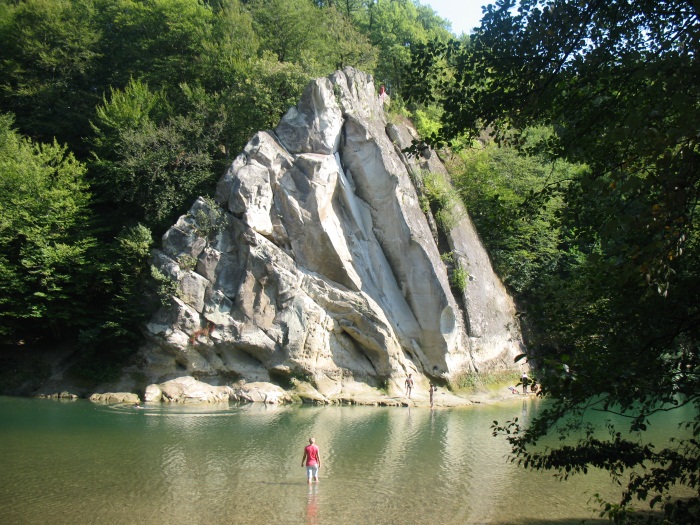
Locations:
312 460
409 385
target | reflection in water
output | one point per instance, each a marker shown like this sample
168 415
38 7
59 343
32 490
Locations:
525 412
228 464
312 505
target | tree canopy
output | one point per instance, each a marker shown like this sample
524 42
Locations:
615 321
44 242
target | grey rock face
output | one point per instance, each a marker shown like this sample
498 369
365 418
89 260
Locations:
315 262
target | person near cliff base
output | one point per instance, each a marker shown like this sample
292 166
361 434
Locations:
312 460
534 387
525 381
432 391
409 385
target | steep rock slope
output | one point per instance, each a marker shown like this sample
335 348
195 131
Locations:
315 261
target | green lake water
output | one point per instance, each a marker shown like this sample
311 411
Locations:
79 463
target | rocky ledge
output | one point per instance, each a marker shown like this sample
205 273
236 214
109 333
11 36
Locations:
188 390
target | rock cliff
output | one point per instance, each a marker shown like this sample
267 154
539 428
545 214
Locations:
314 263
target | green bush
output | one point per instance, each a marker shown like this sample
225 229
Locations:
459 279
443 198
471 382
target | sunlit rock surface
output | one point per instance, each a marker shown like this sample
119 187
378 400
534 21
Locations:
187 389
314 264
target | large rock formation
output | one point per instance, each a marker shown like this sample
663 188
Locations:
315 263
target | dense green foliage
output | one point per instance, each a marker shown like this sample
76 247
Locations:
612 299
43 239
149 162
116 114
522 237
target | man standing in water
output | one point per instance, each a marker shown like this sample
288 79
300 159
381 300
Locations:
409 385
312 460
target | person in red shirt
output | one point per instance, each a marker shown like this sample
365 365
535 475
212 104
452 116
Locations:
312 460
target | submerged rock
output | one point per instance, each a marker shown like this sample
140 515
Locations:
115 398
59 395
315 262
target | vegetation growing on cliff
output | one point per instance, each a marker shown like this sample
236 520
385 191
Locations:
612 298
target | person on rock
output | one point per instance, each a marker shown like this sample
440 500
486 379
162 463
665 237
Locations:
312 460
382 93
409 385
433 388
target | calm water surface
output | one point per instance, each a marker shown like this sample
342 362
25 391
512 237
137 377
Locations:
76 462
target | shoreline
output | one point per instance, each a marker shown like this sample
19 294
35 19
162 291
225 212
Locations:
276 396
56 382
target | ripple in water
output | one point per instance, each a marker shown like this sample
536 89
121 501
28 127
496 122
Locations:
162 409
